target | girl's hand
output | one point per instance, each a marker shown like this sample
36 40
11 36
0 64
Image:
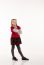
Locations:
15 30
20 31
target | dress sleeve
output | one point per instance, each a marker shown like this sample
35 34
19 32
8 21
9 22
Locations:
12 29
18 27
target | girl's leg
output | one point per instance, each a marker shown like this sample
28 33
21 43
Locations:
19 50
12 50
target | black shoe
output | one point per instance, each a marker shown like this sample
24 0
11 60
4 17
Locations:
14 58
24 58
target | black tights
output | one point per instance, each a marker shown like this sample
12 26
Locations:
19 50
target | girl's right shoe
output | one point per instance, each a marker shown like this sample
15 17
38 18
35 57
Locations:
14 58
24 58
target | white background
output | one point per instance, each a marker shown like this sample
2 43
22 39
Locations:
30 16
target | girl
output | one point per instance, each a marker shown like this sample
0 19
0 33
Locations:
15 39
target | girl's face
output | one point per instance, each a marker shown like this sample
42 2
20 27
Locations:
13 23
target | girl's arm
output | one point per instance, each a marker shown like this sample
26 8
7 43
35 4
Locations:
14 29
17 30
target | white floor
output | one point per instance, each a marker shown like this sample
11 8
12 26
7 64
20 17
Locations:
34 58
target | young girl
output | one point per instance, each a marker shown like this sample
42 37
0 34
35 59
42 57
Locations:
15 39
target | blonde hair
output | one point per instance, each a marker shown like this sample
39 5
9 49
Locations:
12 21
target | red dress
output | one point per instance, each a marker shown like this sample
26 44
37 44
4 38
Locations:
15 37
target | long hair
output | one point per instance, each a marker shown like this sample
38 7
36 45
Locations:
12 20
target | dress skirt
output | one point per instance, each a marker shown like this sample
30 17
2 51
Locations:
16 41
